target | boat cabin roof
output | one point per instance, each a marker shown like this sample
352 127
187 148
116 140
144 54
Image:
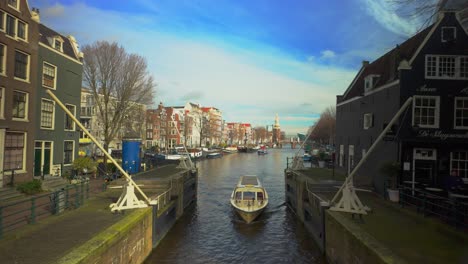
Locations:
249 181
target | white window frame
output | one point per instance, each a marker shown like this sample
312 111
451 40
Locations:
3 61
59 39
437 111
55 75
66 116
25 39
26 107
458 74
3 20
73 152
368 121
442 33
28 67
53 115
460 160
12 6
2 102
25 149
455 112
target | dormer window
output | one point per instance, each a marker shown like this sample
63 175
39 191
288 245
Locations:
58 44
448 34
370 82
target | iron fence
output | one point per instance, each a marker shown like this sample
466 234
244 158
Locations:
28 211
450 210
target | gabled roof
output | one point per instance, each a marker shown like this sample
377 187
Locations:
386 66
47 36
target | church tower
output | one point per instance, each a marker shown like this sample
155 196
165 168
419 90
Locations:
276 131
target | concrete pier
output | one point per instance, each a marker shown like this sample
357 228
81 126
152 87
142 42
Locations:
92 234
388 234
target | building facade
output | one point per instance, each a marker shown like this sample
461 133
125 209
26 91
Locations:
59 70
19 35
430 138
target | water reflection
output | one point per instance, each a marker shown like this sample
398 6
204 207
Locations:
211 231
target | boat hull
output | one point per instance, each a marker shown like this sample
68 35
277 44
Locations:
249 217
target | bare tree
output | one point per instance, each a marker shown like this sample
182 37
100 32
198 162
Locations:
325 128
426 10
201 123
260 134
117 80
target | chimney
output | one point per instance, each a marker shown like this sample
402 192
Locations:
365 63
35 15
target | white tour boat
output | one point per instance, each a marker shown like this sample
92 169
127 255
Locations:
249 198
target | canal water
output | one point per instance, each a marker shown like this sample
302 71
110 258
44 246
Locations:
211 232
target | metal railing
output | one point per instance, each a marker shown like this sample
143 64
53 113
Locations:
28 211
450 210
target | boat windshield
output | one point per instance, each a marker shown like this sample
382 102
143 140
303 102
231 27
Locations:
238 195
249 196
259 196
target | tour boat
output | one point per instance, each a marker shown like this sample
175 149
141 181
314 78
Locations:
249 198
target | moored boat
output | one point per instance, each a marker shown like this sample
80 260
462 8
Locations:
214 155
262 150
249 198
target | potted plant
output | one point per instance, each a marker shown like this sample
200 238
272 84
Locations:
321 159
391 170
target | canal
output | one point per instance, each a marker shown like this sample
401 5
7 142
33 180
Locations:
211 232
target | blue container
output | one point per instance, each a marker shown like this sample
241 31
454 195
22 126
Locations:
131 155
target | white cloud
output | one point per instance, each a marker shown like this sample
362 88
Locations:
327 54
57 10
385 14
247 84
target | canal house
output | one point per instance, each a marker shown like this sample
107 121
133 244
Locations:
60 70
18 64
430 139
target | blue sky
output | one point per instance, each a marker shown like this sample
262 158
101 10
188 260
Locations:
251 59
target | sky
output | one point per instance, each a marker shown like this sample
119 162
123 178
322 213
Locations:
251 59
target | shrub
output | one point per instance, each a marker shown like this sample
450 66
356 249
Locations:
84 163
31 187
392 171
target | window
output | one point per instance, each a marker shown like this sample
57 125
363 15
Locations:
368 120
13 3
10 26
2 59
173 132
48 75
459 163
22 30
47 114
20 104
2 103
69 124
446 67
2 20
149 135
464 67
461 112
68 146
448 34
15 149
426 111
21 65
58 44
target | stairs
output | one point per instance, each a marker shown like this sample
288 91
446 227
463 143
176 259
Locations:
52 183
9 194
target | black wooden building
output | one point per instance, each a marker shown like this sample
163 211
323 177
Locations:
430 140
